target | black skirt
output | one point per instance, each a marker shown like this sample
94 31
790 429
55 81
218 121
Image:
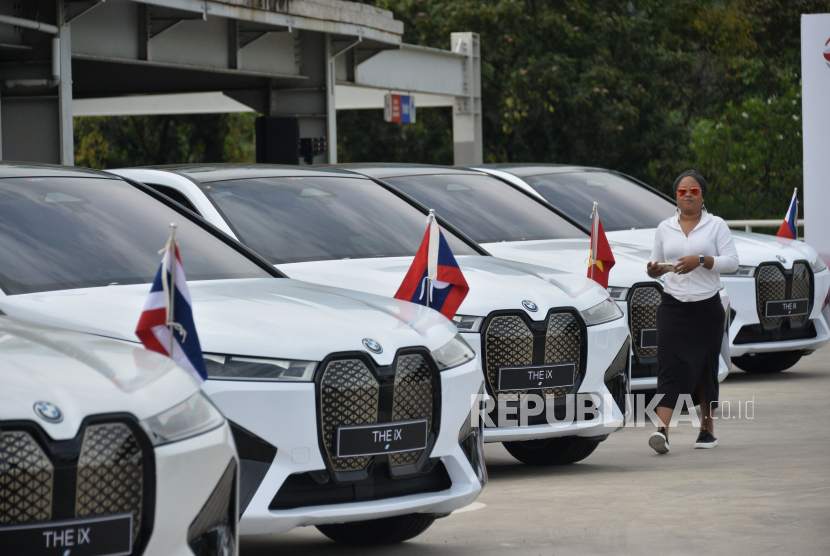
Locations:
689 336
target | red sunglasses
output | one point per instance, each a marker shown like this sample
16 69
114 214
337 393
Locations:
681 191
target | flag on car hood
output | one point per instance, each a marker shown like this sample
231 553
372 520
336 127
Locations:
789 227
434 279
601 259
166 323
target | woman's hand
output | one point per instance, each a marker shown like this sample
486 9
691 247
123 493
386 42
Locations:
687 264
655 271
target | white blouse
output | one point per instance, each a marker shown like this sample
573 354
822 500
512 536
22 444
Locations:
712 238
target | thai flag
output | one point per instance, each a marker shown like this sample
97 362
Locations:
166 324
434 279
789 228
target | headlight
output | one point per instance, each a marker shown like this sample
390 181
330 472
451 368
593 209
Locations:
466 323
454 353
601 312
195 415
742 272
617 293
233 367
817 265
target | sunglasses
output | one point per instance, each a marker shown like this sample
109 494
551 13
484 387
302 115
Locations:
681 191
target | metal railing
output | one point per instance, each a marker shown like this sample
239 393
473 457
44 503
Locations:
749 224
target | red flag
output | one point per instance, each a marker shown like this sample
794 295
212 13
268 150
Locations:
601 258
434 279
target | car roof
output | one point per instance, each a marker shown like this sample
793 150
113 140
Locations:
207 173
528 169
380 171
35 170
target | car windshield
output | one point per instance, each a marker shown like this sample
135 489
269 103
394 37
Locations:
623 205
63 233
487 209
322 218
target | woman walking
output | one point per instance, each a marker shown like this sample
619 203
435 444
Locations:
690 317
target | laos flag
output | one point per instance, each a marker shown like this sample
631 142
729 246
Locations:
434 279
789 228
166 323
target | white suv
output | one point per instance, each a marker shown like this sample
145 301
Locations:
106 448
313 379
340 229
777 295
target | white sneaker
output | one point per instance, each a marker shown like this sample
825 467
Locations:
659 442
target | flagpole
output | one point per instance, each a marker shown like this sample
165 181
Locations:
171 251
795 224
594 232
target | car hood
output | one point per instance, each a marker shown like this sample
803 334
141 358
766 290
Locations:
266 317
571 255
753 249
82 375
495 284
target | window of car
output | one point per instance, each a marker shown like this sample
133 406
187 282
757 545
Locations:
487 209
623 204
297 219
61 233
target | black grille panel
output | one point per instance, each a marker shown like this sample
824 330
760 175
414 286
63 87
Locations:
26 480
110 474
509 342
355 391
773 283
348 396
412 399
642 314
107 469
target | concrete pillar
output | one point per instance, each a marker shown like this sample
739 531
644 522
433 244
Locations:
468 145
331 111
67 142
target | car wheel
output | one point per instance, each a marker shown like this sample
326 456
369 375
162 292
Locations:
374 532
551 451
759 363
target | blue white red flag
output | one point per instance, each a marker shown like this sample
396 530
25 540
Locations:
166 323
789 228
434 279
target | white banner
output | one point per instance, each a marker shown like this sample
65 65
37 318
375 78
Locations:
815 87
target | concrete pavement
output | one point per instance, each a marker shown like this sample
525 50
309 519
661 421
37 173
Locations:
764 490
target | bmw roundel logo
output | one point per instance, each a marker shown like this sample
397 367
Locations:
49 412
780 258
530 306
372 345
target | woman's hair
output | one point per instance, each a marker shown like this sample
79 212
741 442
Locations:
698 178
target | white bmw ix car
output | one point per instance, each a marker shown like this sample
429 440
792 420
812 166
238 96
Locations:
778 294
341 229
107 448
513 224
344 406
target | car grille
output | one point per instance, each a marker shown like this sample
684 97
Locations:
355 392
512 341
773 283
26 480
643 303
110 478
106 470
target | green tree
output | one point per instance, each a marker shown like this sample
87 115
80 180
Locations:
119 141
752 155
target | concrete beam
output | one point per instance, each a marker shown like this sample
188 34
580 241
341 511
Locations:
414 69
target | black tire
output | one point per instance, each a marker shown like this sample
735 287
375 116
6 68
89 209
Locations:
551 451
763 363
376 532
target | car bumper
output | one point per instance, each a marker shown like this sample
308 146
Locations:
285 415
187 472
604 343
742 296
650 383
